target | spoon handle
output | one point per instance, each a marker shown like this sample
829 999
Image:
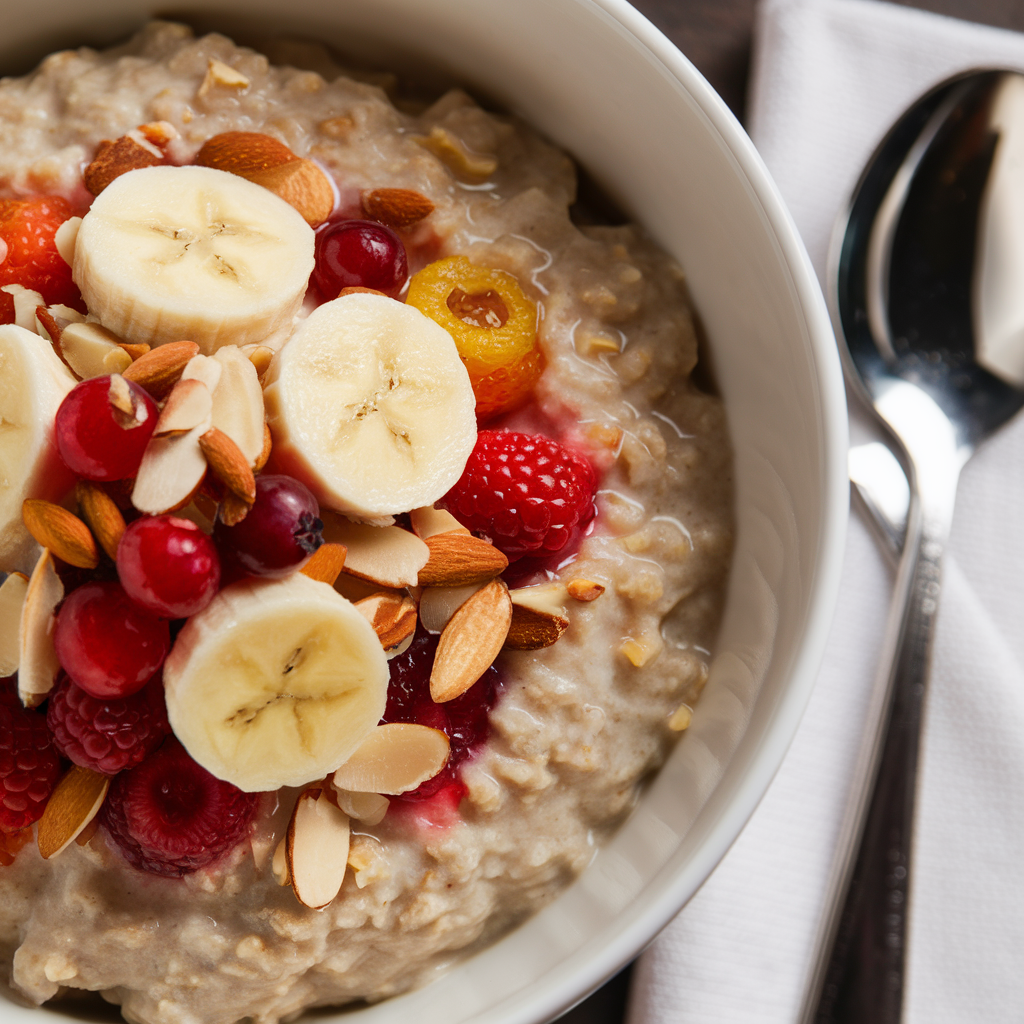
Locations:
860 977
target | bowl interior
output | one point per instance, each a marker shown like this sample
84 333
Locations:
599 80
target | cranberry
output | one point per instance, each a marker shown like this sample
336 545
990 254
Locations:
168 565
280 532
108 644
103 427
359 254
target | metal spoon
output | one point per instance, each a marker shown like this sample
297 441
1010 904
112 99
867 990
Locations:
926 301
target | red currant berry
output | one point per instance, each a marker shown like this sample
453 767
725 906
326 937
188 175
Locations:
103 427
359 254
170 816
280 532
168 565
108 644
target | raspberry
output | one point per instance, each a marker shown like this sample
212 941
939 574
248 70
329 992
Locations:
108 735
465 720
526 492
27 226
169 816
29 764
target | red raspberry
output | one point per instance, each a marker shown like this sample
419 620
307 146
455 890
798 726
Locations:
111 734
27 226
29 764
170 816
526 492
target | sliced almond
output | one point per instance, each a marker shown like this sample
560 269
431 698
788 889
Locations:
325 563
429 521
158 371
317 848
170 473
394 759
189 405
228 464
261 357
102 515
72 805
26 302
369 808
386 555
115 158
471 641
91 350
457 559
13 592
439 604
204 368
61 531
158 133
238 402
268 447
392 615
65 238
221 76
37 661
398 208
279 865
584 590
135 351
127 407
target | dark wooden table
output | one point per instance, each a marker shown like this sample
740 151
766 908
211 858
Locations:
716 36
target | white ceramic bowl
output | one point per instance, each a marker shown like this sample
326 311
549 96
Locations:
602 82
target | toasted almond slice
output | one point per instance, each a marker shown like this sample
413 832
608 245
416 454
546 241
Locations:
394 759
457 559
398 208
13 592
221 75
392 615
61 531
91 350
65 237
471 641
158 371
369 808
279 865
73 804
386 555
37 662
188 405
204 368
429 521
170 473
539 616
238 402
264 455
439 604
584 590
317 848
325 563
228 464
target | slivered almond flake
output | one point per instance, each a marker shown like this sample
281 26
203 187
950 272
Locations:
584 590
102 515
13 592
73 804
392 615
228 464
458 559
325 563
268 447
37 661
398 208
204 368
159 370
221 75
369 808
317 848
385 555
188 405
439 604
61 531
114 158
428 521
91 350
394 759
238 402
128 409
471 641
170 473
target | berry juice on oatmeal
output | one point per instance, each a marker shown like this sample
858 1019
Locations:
366 537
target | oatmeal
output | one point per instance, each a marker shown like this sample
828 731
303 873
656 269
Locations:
571 650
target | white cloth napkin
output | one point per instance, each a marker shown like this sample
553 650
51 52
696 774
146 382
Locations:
830 76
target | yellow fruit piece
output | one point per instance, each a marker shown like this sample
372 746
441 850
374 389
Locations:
494 326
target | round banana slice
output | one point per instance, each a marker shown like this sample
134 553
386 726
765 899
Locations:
167 253
33 383
371 407
275 683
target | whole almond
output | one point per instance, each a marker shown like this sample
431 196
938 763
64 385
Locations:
398 208
228 464
243 152
458 559
159 370
326 563
114 159
72 806
101 513
471 641
530 630
301 184
62 532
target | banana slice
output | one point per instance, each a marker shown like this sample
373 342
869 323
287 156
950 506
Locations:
275 683
371 407
166 253
33 383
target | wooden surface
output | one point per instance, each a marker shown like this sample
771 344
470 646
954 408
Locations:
716 35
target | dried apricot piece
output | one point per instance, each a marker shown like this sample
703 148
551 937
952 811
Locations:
494 326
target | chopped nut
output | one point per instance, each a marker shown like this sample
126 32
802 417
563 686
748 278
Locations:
223 75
